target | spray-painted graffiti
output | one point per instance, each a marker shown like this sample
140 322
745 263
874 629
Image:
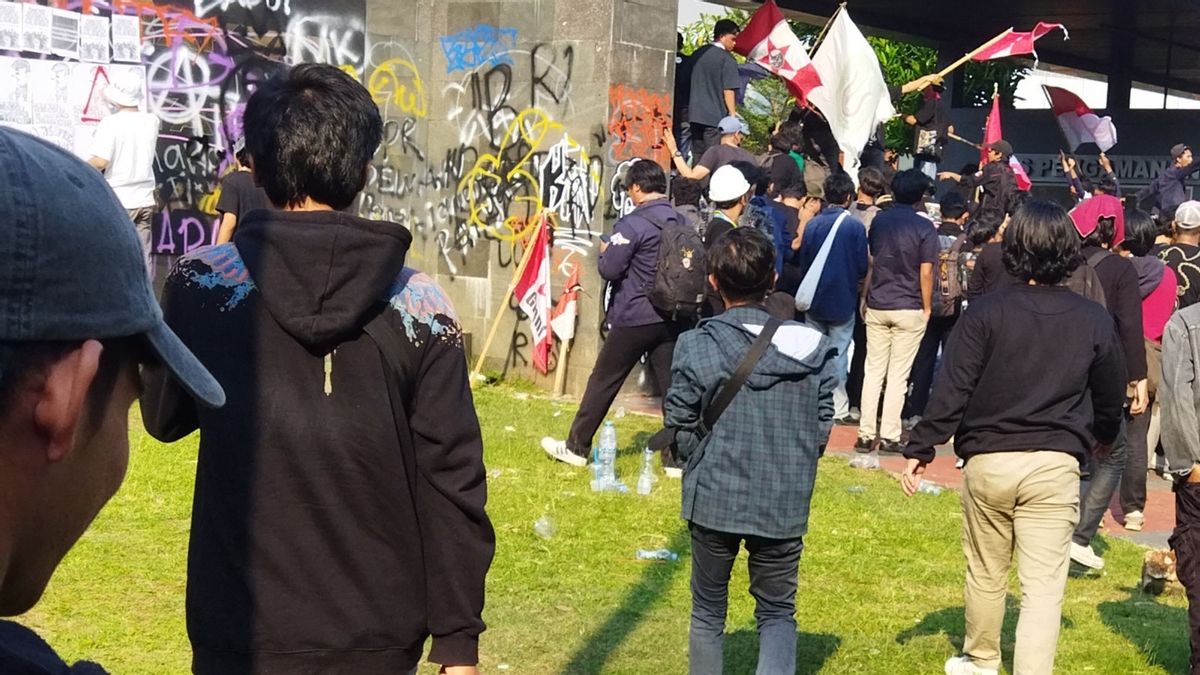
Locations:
482 45
637 123
620 204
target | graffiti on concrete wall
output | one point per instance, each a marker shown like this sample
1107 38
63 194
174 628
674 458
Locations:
638 121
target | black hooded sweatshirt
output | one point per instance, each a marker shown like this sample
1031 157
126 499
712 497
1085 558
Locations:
322 540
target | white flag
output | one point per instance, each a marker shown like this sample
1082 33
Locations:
853 96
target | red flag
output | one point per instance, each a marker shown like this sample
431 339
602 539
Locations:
1017 44
768 41
533 297
1079 124
991 134
562 319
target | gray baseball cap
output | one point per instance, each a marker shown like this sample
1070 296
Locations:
71 265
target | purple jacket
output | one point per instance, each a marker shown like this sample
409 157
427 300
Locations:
629 262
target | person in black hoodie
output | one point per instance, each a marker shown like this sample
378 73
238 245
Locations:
339 514
1099 221
1033 378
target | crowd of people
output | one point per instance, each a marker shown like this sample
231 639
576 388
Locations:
1054 344
772 297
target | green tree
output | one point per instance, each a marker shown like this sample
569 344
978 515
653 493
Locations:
901 62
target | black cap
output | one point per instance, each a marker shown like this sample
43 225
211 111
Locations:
1003 147
71 265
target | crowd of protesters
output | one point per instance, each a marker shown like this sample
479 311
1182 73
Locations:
1057 349
1054 347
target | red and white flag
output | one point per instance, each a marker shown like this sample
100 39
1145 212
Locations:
562 319
1079 124
1018 44
533 297
768 41
991 134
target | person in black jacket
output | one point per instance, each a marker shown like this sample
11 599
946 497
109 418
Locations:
996 181
339 517
1033 379
1119 279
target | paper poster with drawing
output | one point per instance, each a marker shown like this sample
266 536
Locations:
126 38
35 28
10 26
15 91
93 39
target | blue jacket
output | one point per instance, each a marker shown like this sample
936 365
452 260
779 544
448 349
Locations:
629 263
754 473
836 299
1169 187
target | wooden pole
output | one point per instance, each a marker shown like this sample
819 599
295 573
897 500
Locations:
560 372
821 35
971 54
512 286
960 139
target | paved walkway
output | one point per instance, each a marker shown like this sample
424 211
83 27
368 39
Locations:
1160 503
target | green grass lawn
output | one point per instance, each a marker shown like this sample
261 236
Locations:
880 580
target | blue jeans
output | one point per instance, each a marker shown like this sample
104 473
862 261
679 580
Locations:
1106 477
842 334
773 565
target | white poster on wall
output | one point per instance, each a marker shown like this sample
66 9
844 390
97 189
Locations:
35 28
67 102
126 38
93 39
64 33
10 26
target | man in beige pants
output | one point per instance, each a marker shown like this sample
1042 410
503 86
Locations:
1032 373
897 299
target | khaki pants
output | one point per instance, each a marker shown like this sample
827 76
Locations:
893 337
1028 501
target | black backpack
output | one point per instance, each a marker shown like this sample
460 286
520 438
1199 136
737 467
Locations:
678 290
1085 282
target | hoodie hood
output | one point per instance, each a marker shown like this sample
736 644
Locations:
796 350
1150 273
320 272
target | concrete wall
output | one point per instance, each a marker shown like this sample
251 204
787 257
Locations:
498 113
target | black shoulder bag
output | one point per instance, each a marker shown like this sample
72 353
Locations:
708 418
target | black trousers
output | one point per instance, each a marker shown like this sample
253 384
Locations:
921 379
703 138
1133 481
858 364
620 353
1185 541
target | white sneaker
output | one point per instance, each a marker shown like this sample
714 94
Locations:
1134 520
962 665
673 472
558 450
1084 555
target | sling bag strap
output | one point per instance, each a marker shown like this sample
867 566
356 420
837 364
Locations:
710 415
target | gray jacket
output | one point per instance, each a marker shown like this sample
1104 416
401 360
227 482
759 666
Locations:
1179 393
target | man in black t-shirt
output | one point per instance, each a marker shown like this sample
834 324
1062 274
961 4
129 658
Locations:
1183 256
239 194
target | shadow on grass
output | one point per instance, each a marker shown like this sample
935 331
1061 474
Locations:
952 623
599 645
812 651
1159 631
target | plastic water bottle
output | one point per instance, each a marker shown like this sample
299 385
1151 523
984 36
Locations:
608 453
645 481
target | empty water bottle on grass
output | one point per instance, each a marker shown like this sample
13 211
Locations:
658 554
608 452
929 488
645 481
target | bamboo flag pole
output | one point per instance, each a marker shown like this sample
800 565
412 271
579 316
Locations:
971 54
821 35
560 371
960 139
512 286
